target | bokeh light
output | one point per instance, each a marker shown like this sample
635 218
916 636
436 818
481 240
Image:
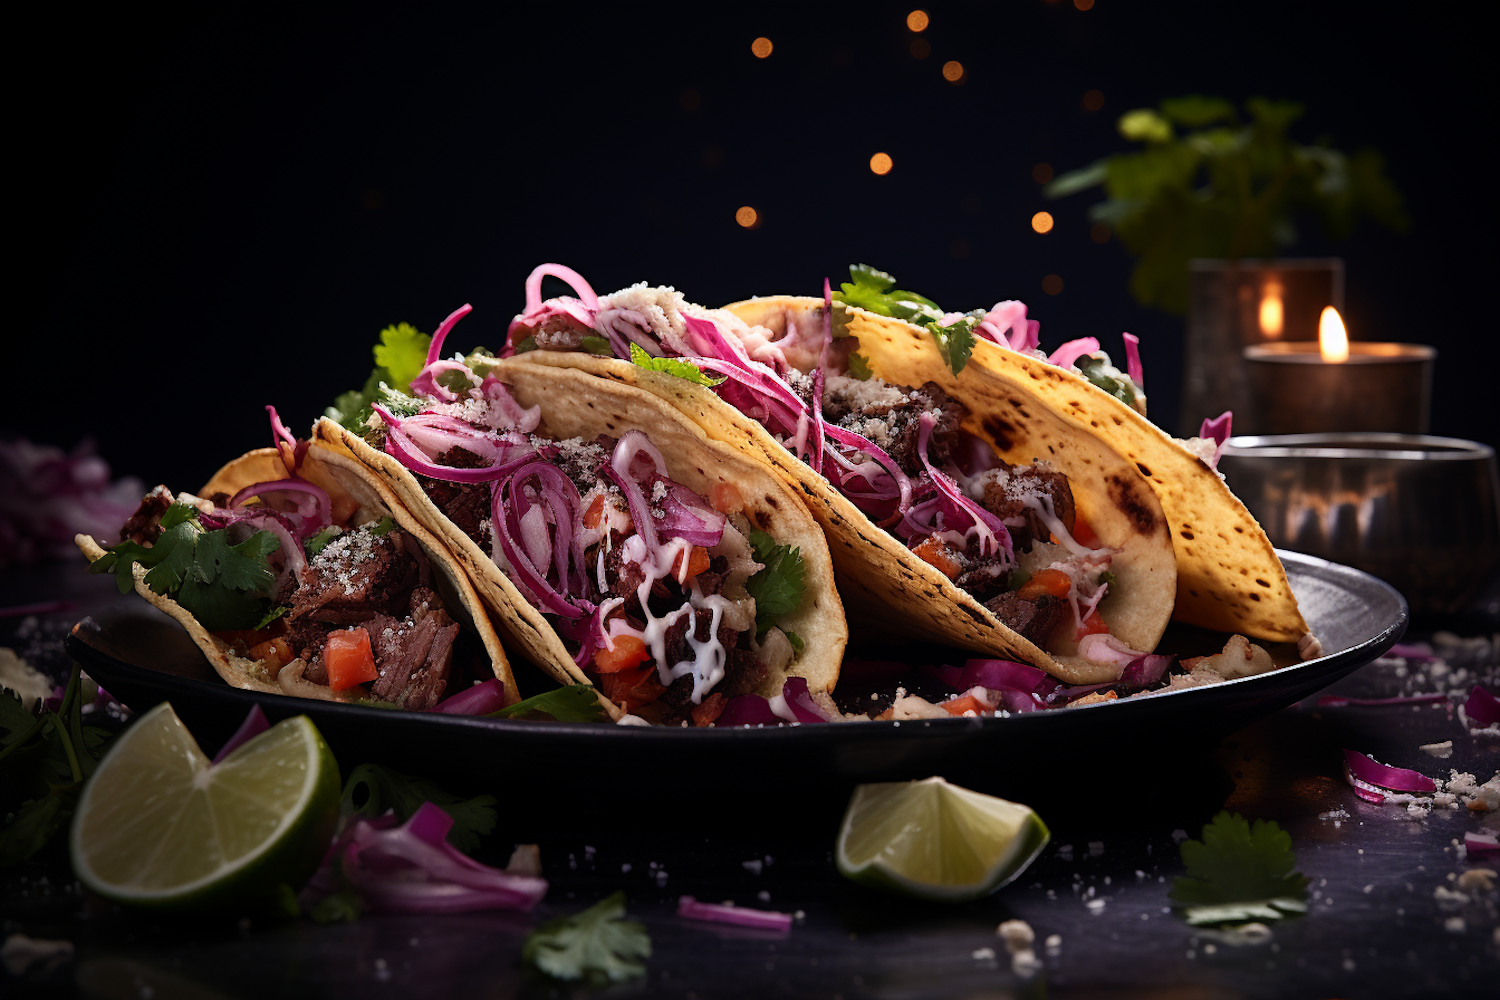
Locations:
881 163
1099 232
1041 173
1083 4
1052 284
1093 100
747 217
917 20
761 47
953 71
1042 222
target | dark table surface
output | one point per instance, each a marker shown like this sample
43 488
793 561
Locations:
1374 927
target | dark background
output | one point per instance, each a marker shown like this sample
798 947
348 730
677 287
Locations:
219 207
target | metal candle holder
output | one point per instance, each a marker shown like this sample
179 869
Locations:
1380 388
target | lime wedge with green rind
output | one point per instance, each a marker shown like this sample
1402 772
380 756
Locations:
159 826
936 841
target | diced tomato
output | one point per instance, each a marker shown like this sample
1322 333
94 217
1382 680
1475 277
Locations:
629 651
632 688
595 514
275 653
698 560
1083 533
348 659
1047 581
1092 625
711 709
966 703
936 552
726 499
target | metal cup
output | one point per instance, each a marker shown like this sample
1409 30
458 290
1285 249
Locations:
1419 512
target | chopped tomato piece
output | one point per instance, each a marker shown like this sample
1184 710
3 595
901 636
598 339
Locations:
726 499
936 552
697 562
966 703
632 688
596 513
1047 581
275 653
348 659
1083 533
629 651
1092 625
711 709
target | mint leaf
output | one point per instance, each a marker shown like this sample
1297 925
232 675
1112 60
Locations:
1238 869
859 367
956 341
598 944
778 587
372 790
575 703
672 366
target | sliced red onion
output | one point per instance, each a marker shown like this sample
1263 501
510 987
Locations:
523 420
856 442
557 493
707 338
1133 359
307 504
1001 674
1015 701
478 699
1217 430
1371 779
688 516
1482 707
285 441
280 434
994 538
1144 671
413 869
1340 701
255 723
573 278
747 710
435 348
1104 649
817 419
1006 324
426 383
405 451
1067 354
797 698
1481 845
293 559
728 913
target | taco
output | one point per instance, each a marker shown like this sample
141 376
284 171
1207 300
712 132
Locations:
296 572
616 543
1060 559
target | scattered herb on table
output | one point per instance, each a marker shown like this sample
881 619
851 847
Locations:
598 944
1239 872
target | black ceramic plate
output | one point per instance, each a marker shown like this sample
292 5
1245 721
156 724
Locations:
142 657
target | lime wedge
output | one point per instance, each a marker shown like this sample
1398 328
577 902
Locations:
936 841
159 826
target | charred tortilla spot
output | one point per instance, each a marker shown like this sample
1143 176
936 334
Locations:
1000 430
1125 495
1263 583
763 519
1238 530
769 499
1186 534
1144 471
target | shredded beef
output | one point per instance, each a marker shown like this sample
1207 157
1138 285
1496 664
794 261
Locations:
985 578
144 526
623 578
413 660
335 585
711 580
465 504
1033 620
906 423
1000 499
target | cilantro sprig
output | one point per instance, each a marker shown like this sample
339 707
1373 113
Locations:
672 366
227 587
400 355
777 588
1093 370
575 703
1239 872
598 944
875 291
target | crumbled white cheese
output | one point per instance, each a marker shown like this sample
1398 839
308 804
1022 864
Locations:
1443 750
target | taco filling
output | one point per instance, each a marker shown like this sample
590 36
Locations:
1009 535
325 599
666 599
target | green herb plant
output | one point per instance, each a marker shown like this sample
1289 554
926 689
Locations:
400 356
875 291
1207 183
1238 872
574 703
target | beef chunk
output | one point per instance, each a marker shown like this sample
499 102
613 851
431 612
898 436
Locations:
358 572
907 426
144 526
1033 620
1002 493
623 578
413 658
465 504
711 580
984 579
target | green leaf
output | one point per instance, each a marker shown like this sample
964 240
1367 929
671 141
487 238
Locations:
596 345
317 543
956 341
875 291
240 567
672 366
865 276
1197 111
526 346
34 824
1239 864
372 790
859 367
778 588
1076 180
171 558
795 640
402 352
1144 125
383 527
271 616
575 703
598 944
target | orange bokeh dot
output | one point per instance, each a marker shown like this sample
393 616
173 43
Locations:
953 71
1052 284
917 20
747 217
881 163
1042 222
761 47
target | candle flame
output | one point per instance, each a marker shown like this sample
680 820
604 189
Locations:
1333 341
1272 314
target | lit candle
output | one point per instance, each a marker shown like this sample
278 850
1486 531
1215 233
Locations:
1337 384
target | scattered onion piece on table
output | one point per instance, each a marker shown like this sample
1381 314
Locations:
1372 780
1480 845
728 913
1482 707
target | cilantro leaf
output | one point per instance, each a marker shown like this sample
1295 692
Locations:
672 366
859 367
1239 872
875 291
597 345
778 587
597 944
526 346
1093 370
402 352
351 409
575 703
317 543
272 615
242 566
172 557
956 341
795 640
383 527
372 789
